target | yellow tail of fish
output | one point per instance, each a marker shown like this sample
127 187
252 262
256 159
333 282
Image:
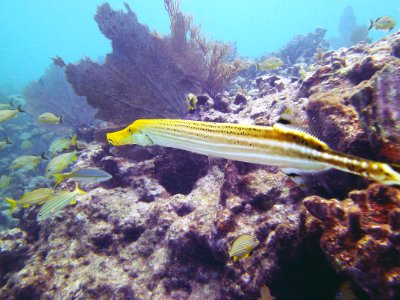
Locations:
73 140
13 204
78 189
59 177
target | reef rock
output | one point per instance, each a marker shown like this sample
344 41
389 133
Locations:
302 48
361 237
14 248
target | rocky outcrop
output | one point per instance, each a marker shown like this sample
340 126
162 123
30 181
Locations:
361 237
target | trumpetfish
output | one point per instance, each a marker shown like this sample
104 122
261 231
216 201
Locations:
278 145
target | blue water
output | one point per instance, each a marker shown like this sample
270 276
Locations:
33 31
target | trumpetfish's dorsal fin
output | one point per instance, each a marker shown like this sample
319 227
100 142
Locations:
310 125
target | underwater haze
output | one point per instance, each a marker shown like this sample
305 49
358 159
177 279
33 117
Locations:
33 31
199 149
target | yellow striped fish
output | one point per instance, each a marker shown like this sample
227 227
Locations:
8 114
28 162
37 196
242 246
61 144
279 145
58 202
60 162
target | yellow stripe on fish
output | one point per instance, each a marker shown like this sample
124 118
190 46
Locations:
61 144
278 145
242 246
58 202
60 162
26 161
37 196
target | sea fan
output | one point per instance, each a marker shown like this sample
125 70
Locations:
53 93
148 75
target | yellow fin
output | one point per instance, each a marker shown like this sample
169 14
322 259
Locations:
73 140
13 204
77 189
246 255
59 177
235 258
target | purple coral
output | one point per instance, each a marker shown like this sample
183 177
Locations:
147 75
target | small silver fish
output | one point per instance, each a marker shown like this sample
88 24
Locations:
60 162
49 118
90 174
56 203
242 246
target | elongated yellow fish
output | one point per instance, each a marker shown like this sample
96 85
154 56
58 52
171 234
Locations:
278 145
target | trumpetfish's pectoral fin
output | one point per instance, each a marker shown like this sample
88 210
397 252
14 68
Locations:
309 124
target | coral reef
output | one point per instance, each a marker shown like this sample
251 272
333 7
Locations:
161 228
302 48
147 75
53 93
377 104
14 248
360 237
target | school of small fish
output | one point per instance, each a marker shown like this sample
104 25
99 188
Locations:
53 201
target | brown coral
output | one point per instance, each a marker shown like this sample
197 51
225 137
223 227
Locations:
361 237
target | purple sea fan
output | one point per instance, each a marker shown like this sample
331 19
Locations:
148 75
53 93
